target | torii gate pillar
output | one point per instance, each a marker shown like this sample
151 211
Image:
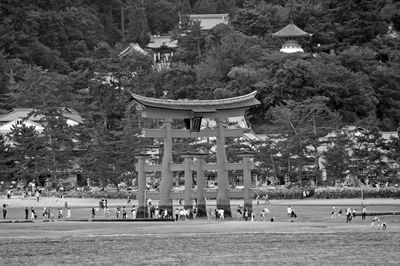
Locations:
188 182
166 174
201 201
223 201
247 166
142 206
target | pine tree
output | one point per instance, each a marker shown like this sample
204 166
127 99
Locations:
137 30
28 151
337 159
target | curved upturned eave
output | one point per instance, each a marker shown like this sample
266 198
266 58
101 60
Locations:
290 31
244 101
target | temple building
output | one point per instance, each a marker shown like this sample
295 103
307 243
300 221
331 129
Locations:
163 48
290 34
132 49
209 21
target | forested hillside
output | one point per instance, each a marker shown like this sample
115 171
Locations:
55 53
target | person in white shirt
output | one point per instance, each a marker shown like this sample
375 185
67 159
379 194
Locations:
289 212
221 214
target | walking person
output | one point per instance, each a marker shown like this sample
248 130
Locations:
262 215
289 212
364 212
239 213
266 198
4 211
246 214
353 213
176 214
293 216
133 211
333 213
37 194
93 213
348 215
117 212
69 213
221 214
123 213
209 214
33 214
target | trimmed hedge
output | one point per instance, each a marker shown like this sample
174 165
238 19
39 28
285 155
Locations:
355 192
273 193
123 194
279 193
327 192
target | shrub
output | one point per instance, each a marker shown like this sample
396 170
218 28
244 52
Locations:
355 192
122 194
327 192
279 192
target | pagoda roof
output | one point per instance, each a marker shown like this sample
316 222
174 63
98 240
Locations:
133 48
290 30
205 108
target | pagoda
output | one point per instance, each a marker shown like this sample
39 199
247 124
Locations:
291 33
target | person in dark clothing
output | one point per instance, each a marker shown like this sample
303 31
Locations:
364 213
4 211
26 213
123 213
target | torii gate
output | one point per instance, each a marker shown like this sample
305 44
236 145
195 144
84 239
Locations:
192 111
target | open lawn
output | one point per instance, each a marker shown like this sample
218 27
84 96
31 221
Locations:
314 239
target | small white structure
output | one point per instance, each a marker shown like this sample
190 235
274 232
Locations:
290 34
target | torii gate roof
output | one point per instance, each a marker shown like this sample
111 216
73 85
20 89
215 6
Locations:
166 108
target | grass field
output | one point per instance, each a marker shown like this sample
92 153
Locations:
314 239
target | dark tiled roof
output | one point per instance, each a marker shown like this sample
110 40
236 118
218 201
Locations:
18 113
199 106
133 48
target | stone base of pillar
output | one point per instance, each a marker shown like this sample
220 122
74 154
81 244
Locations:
226 206
201 210
141 212
249 206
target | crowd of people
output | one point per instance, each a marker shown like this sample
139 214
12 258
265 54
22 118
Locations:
129 211
350 213
49 213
